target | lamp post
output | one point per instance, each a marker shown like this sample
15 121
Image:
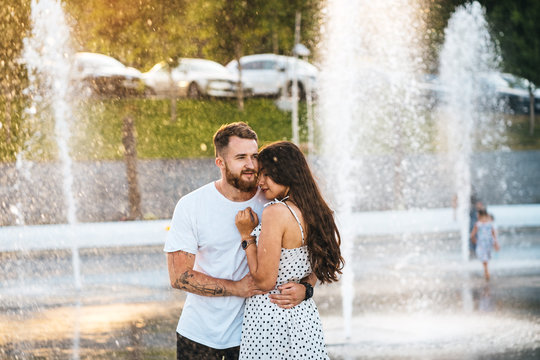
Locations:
294 95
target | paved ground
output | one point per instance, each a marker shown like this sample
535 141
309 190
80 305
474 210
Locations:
410 298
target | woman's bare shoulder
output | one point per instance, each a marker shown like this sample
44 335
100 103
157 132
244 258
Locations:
275 210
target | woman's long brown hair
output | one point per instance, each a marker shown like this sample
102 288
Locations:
285 164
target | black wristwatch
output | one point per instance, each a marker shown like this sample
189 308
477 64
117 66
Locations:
309 290
246 243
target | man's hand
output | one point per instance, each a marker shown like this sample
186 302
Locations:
291 294
246 287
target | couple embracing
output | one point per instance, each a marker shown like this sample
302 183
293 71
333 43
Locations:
249 248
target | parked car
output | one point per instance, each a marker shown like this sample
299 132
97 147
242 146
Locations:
507 89
519 97
272 75
192 78
103 75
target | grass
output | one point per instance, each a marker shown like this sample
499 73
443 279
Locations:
98 124
518 135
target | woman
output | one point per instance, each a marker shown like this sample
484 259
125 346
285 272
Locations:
297 237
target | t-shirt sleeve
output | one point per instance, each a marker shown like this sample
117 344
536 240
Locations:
182 234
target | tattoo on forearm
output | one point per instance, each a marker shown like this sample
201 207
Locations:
187 281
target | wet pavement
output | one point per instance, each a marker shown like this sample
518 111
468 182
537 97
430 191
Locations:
412 298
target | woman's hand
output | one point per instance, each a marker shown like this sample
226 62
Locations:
245 221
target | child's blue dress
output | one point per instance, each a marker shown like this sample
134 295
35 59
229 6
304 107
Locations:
484 242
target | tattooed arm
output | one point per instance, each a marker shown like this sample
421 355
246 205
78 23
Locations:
183 277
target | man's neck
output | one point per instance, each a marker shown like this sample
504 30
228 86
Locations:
232 193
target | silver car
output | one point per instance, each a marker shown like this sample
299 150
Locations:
192 78
273 75
99 74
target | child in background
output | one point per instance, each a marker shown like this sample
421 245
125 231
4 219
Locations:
484 236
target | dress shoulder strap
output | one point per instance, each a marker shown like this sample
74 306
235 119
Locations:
282 201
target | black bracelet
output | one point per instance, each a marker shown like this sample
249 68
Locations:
309 290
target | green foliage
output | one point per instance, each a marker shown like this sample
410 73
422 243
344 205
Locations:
14 25
517 28
12 132
139 34
239 28
436 15
145 32
515 25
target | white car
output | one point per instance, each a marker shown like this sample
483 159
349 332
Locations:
273 75
192 78
103 75
511 89
519 98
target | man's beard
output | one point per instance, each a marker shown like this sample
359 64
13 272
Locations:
238 182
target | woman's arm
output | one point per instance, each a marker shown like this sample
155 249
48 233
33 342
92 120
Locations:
263 259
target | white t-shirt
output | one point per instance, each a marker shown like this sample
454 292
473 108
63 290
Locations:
203 224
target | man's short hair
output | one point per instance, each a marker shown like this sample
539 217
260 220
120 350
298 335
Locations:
222 136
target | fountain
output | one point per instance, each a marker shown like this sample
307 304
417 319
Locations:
407 290
47 57
371 63
468 56
388 182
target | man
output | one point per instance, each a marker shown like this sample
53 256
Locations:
204 252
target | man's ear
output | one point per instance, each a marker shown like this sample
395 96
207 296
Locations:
220 163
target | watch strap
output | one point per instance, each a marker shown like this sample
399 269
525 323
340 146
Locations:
309 290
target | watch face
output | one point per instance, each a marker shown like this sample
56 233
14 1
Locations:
244 244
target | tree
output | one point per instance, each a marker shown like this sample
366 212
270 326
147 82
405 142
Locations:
14 26
238 20
436 15
139 34
517 28
514 24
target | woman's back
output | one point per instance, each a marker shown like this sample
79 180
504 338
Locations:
294 262
294 235
271 332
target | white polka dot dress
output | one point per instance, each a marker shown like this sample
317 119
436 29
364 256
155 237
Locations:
270 332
